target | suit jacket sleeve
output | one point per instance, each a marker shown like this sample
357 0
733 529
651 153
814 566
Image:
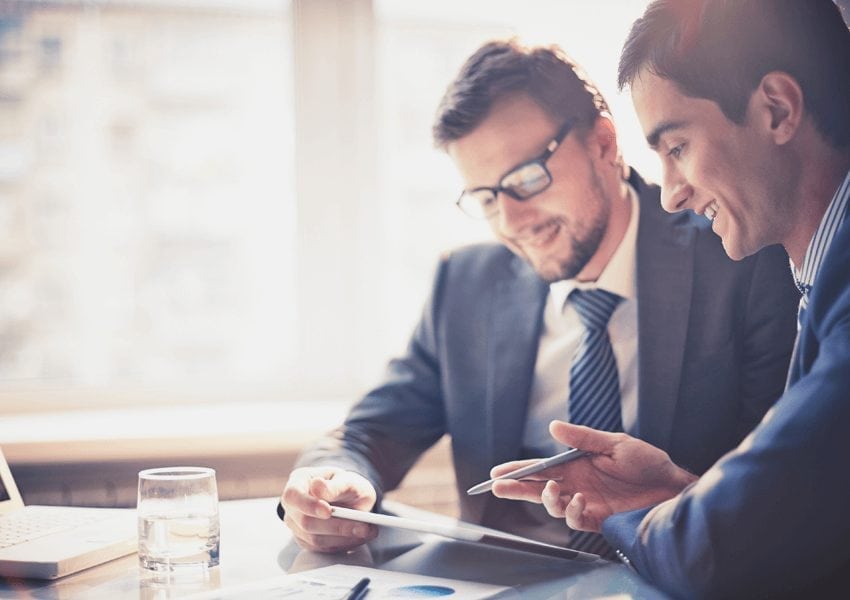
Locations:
772 516
389 428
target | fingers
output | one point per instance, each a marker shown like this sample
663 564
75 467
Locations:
321 489
512 489
312 491
554 503
584 438
507 467
298 497
577 516
557 503
329 535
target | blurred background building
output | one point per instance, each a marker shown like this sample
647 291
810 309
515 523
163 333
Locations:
146 196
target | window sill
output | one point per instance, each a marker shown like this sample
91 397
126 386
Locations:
92 457
166 432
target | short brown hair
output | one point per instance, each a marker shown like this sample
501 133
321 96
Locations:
504 67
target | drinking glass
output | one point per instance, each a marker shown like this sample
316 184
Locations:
178 518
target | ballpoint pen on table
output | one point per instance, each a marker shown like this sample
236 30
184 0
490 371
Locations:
359 590
558 459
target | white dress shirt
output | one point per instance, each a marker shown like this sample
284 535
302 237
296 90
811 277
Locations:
559 340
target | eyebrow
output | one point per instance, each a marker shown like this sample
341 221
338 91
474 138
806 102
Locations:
654 136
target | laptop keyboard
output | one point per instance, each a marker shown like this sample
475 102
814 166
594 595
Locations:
23 525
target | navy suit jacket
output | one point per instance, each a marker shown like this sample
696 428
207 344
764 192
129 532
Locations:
714 342
772 518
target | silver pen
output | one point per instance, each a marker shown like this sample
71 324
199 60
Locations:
558 459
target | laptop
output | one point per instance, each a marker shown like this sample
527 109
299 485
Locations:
46 542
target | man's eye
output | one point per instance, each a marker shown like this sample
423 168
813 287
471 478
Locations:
676 152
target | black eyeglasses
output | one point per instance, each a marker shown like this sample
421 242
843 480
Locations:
520 183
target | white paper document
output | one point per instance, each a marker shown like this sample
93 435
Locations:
335 582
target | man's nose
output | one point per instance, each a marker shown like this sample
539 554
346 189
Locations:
513 215
676 193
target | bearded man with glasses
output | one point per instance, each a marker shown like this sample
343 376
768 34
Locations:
596 307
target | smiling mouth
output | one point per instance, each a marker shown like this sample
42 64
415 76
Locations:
710 211
541 235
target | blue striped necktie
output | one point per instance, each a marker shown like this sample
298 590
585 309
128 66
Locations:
594 383
594 386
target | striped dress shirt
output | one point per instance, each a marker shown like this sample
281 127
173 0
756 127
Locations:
805 276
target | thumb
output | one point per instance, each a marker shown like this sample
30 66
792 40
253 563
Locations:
326 489
583 438
320 489
344 488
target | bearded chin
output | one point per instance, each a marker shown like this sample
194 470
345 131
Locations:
583 244
582 250
552 270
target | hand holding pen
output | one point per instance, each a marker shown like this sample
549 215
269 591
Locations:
529 468
621 473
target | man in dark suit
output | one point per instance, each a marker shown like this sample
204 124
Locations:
748 103
692 352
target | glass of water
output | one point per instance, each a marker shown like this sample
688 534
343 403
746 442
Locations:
178 518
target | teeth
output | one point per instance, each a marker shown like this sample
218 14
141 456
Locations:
710 211
542 236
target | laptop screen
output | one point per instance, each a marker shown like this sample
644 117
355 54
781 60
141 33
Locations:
10 498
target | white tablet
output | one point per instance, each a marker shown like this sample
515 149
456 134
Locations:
466 534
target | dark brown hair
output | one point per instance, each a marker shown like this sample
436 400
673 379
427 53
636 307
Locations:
721 49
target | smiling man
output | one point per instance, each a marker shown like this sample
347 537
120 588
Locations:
728 171
748 104
595 306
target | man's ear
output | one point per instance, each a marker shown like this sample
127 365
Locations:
605 139
779 99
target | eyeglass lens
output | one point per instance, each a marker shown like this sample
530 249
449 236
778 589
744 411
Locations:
521 183
526 180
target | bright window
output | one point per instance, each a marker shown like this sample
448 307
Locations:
146 198
231 200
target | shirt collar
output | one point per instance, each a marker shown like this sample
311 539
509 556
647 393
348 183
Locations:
805 276
618 276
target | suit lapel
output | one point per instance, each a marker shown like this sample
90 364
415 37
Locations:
516 319
665 256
